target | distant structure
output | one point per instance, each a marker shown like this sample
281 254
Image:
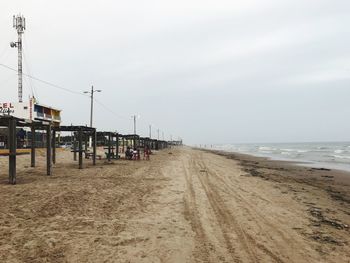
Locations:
31 110
19 23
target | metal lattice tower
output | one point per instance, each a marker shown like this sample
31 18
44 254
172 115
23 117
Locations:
19 23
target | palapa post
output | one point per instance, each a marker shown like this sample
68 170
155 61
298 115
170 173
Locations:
75 148
94 142
80 138
117 146
109 147
12 150
48 150
32 152
54 147
86 145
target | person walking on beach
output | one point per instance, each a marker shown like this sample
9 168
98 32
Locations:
146 153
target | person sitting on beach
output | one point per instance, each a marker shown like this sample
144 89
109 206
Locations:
128 153
135 154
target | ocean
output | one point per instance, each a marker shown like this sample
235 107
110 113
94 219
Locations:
332 155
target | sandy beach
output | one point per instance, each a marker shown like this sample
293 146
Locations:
185 205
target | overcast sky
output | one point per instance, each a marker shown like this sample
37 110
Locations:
207 71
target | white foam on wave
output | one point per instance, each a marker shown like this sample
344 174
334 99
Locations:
266 152
288 150
341 156
267 148
286 153
295 150
302 151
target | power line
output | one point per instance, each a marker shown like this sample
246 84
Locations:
110 110
3 82
73 92
44 81
62 88
29 81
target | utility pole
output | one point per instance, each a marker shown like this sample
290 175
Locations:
91 105
91 108
19 23
134 116
150 131
92 102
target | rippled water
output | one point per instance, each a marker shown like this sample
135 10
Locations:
335 155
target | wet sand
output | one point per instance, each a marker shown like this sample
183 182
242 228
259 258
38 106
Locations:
185 205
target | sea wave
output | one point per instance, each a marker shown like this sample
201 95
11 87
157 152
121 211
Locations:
322 148
269 149
295 150
339 151
335 155
341 156
266 152
303 151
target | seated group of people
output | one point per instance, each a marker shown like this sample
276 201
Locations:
131 154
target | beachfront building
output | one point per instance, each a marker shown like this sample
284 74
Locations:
31 110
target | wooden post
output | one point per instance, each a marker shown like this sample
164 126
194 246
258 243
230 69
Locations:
75 148
117 146
123 139
48 150
54 147
32 152
94 142
109 146
86 145
112 146
80 138
12 150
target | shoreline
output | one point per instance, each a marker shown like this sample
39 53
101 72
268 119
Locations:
335 182
320 197
303 160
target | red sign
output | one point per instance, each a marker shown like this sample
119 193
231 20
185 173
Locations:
6 105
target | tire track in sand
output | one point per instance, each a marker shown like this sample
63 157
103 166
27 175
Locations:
225 220
192 215
249 243
209 221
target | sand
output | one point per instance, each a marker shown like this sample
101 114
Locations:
185 205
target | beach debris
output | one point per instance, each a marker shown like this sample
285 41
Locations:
321 237
328 176
337 195
316 212
253 172
321 169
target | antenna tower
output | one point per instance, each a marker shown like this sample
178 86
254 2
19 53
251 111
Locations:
19 23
